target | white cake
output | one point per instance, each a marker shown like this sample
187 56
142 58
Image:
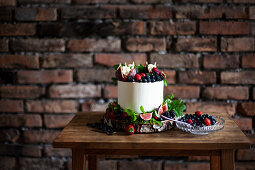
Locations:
132 95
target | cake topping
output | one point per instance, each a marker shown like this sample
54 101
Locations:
147 73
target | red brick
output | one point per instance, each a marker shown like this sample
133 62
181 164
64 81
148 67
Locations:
243 77
98 1
39 136
7 2
220 61
201 1
111 59
224 28
19 61
36 14
23 150
45 76
5 14
4 45
150 1
248 61
88 45
226 92
170 76
201 12
11 106
211 107
74 91
51 106
17 29
148 165
244 165
39 45
186 166
252 12
21 91
237 44
169 28
93 106
67 61
244 123
145 44
57 152
57 121
251 137
245 154
241 1
246 108
20 120
175 60
91 12
107 164
184 92
196 44
73 29
40 163
95 75
7 162
197 77
110 91
9 135
252 28
146 12
44 1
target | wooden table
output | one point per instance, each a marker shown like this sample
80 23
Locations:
84 141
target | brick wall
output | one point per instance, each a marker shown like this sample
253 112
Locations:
56 58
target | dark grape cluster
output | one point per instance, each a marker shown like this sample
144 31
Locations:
197 120
170 114
155 76
101 126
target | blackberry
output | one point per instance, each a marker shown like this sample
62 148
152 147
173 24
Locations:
152 76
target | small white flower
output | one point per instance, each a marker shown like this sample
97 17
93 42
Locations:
151 66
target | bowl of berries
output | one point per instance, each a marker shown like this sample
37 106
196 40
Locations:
200 124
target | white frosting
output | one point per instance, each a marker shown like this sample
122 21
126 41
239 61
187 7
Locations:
132 95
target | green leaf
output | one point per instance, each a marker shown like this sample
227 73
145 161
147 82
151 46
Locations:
165 83
142 109
140 68
129 112
116 66
115 80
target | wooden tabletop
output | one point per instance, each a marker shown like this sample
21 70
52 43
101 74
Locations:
77 135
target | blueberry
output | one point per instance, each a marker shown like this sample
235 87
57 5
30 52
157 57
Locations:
152 76
145 80
140 80
153 80
148 76
148 80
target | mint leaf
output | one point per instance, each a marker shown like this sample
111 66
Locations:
115 80
165 83
142 109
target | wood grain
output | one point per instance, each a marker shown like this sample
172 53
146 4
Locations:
215 162
92 162
78 135
78 159
227 159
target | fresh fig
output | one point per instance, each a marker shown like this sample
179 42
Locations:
132 73
119 75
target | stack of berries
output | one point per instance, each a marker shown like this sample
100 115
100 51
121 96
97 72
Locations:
138 73
198 119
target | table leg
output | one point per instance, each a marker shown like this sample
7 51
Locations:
227 159
78 159
92 161
215 162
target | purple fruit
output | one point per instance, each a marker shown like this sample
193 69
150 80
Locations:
132 73
119 74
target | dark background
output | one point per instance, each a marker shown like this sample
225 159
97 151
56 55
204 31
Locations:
57 56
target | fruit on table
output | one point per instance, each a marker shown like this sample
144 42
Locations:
207 122
189 121
130 130
198 113
198 119
146 116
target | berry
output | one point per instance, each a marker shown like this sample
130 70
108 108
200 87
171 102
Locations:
147 76
144 80
207 122
111 115
198 113
124 115
165 108
154 69
137 77
142 74
148 80
124 78
140 80
189 121
130 130
153 80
